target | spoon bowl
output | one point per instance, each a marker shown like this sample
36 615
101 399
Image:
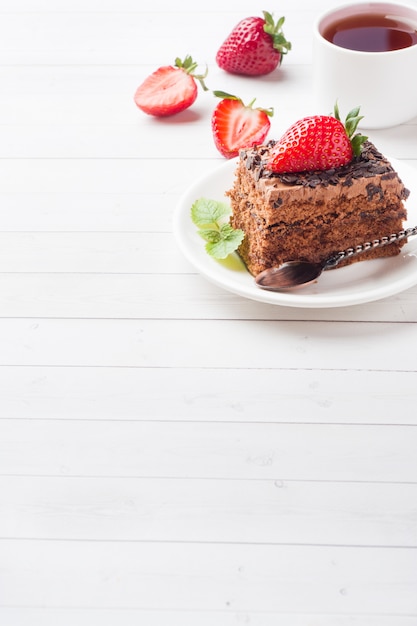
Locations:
294 274
289 275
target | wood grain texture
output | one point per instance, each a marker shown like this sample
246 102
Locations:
170 453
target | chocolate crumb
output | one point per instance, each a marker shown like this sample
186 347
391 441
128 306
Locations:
374 190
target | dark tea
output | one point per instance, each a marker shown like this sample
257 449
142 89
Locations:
371 33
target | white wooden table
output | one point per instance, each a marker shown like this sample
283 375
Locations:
170 453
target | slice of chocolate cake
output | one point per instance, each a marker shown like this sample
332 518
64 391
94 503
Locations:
312 215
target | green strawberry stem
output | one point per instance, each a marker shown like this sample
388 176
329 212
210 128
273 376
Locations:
188 66
351 123
275 30
227 96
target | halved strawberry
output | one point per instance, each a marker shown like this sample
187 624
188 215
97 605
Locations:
254 47
170 89
236 126
318 142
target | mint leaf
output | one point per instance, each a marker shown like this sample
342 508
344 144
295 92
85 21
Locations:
219 250
227 231
205 212
211 217
225 246
212 236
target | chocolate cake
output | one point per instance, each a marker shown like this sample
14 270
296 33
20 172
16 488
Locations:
312 215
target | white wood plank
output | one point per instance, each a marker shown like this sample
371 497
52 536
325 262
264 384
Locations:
89 113
128 141
91 252
131 617
237 578
98 175
208 450
100 6
120 37
91 85
87 138
180 439
222 511
220 394
92 212
129 274
103 96
144 343
163 295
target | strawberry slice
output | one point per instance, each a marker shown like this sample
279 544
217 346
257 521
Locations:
236 126
170 89
317 142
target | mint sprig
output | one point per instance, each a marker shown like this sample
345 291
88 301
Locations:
211 218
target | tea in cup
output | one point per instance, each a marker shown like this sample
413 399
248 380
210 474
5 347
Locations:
365 54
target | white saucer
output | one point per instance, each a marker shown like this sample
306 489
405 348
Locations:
355 284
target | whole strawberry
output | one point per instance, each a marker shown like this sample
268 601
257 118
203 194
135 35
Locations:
254 47
236 125
170 89
319 142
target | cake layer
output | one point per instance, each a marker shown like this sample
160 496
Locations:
312 215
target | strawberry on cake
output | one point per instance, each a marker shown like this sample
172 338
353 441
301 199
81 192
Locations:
320 189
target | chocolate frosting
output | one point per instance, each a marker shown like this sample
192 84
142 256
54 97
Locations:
368 164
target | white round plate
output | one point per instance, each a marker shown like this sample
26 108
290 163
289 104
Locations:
355 284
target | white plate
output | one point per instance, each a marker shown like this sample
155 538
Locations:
355 284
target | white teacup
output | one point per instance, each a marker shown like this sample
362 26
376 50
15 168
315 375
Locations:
382 83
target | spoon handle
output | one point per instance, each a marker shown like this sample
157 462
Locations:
369 245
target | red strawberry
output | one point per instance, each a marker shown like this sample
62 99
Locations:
254 47
319 142
236 126
170 89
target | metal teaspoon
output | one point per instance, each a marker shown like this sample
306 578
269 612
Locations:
293 274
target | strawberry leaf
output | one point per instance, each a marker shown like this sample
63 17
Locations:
188 65
357 141
351 124
275 31
225 96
